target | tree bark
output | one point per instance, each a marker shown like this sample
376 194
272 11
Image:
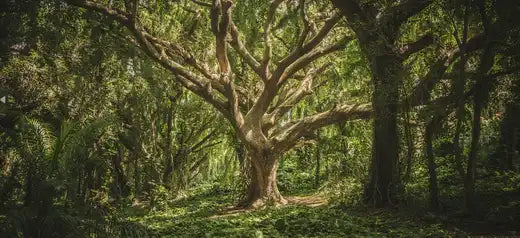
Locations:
168 167
317 171
480 99
432 172
509 128
263 188
119 174
386 71
469 182
376 38
410 148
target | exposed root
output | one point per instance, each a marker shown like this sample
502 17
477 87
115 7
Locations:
265 202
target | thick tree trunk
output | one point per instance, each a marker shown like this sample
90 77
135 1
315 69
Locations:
509 136
432 172
263 189
386 72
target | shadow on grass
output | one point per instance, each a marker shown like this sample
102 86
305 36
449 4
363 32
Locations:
196 217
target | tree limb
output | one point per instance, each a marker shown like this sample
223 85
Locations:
396 15
416 46
287 135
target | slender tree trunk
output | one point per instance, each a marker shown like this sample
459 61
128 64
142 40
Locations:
168 168
137 175
121 180
409 147
459 85
459 116
263 189
432 172
479 101
469 183
317 171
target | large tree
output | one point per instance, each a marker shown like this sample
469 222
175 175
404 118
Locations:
255 105
377 27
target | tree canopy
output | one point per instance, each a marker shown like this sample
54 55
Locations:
115 111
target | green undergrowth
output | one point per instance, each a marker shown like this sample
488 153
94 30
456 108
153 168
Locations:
200 215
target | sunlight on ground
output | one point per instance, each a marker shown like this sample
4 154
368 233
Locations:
304 216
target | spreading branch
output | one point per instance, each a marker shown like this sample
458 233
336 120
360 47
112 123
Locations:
267 37
422 91
289 134
396 15
416 46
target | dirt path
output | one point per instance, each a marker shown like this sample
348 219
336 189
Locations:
310 201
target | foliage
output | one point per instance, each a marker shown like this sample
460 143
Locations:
100 139
198 216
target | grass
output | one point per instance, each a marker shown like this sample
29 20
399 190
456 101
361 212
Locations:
201 215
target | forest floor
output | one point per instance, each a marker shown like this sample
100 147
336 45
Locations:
209 212
212 215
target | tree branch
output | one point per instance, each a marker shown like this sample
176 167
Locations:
306 48
293 97
289 134
308 58
421 92
396 15
267 38
416 46
239 47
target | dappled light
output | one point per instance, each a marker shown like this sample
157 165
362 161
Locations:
250 118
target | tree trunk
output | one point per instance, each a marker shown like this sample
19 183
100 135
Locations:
458 89
509 136
263 189
409 147
469 183
168 167
137 174
317 171
480 100
386 72
432 172
459 116
119 174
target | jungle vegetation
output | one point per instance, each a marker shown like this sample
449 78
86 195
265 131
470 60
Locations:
249 118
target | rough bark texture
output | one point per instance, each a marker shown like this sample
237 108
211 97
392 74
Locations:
385 152
255 117
377 33
263 188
